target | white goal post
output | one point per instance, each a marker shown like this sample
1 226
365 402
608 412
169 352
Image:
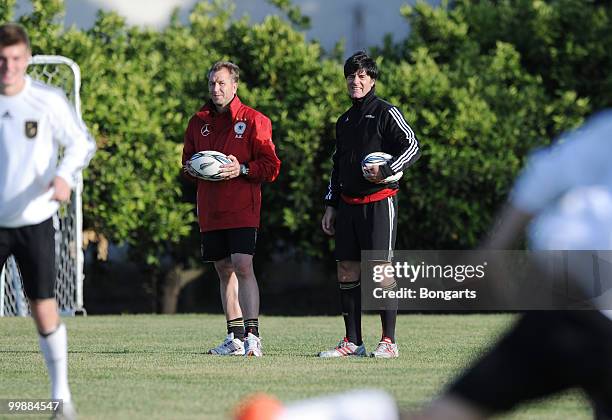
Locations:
64 73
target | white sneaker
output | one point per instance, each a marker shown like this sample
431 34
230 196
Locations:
68 412
344 349
252 346
386 350
230 347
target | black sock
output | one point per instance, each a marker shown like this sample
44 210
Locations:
350 300
389 315
251 326
236 326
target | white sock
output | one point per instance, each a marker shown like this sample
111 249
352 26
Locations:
54 348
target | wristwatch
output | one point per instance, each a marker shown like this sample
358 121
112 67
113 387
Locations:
244 169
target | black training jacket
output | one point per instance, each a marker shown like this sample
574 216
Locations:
370 125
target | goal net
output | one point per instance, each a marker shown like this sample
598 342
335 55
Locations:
63 73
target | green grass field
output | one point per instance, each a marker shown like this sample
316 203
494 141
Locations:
155 367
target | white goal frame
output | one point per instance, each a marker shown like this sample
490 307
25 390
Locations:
68 221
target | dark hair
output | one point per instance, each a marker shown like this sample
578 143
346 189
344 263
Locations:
13 34
360 61
233 69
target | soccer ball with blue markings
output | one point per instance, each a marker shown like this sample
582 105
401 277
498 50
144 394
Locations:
379 158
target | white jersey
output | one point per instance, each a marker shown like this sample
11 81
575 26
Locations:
33 125
582 159
569 189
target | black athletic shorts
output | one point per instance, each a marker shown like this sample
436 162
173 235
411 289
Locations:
220 244
544 353
34 250
367 227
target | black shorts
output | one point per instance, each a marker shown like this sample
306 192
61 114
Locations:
544 353
34 250
366 227
220 244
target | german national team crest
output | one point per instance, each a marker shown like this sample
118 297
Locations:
239 129
205 130
31 129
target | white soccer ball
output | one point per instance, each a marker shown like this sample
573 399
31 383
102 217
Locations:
379 158
206 165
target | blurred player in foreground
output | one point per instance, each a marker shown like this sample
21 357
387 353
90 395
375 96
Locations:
566 192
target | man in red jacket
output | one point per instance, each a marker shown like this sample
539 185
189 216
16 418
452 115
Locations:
228 211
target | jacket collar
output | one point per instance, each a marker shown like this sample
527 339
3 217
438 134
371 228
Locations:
209 109
361 102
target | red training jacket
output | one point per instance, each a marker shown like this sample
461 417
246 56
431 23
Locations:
246 134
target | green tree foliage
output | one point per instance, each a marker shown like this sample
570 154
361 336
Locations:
6 10
44 24
477 111
567 42
293 13
482 83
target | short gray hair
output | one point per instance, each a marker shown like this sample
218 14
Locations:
233 69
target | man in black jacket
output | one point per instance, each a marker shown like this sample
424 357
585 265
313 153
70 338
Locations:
361 201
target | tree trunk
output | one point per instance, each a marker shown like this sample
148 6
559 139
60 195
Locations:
173 282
